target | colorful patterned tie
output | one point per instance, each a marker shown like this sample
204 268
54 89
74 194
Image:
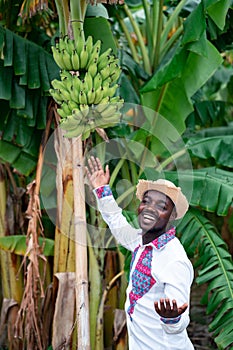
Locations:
142 281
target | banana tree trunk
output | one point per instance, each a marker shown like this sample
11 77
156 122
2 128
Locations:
80 229
64 250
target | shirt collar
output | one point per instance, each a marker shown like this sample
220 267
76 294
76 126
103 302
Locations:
162 240
166 237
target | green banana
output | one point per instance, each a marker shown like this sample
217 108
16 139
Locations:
67 60
65 94
70 46
106 88
116 99
68 83
72 105
83 57
69 123
77 114
75 60
91 96
97 81
82 98
89 44
110 110
74 95
88 80
114 118
65 74
76 83
62 42
80 45
103 105
57 84
105 61
102 57
98 95
61 113
105 72
77 131
58 57
86 102
83 85
112 90
94 56
105 100
65 108
56 95
115 74
84 108
92 68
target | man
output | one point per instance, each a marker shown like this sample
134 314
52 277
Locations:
157 303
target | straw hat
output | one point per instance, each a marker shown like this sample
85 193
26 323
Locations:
169 189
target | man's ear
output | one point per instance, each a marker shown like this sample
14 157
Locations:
173 215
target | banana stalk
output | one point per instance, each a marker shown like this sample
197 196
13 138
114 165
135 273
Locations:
95 290
82 301
99 331
10 264
64 250
111 269
80 229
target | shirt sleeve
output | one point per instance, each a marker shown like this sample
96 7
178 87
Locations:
125 234
178 277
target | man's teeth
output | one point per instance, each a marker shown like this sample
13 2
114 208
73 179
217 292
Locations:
149 217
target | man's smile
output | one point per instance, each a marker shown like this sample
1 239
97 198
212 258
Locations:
149 217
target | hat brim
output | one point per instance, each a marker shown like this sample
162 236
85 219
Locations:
167 188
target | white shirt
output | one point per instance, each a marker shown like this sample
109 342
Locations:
169 274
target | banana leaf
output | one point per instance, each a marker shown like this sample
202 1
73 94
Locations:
170 89
26 70
217 11
207 113
210 188
173 99
17 244
215 269
220 148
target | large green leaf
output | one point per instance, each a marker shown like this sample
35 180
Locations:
195 25
217 10
103 33
17 245
26 70
198 69
12 154
25 67
173 99
218 147
207 113
210 188
215 269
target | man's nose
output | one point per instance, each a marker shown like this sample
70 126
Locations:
152 207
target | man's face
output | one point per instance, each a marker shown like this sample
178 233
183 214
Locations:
154 211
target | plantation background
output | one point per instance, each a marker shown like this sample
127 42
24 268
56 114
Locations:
177 84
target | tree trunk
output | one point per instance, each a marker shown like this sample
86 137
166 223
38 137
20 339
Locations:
82 303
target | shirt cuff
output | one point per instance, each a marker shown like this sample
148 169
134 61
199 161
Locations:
103 191
170 320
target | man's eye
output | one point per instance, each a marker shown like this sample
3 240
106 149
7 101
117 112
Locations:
161 207
145 201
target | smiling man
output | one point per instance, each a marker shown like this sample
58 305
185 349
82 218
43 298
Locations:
157 302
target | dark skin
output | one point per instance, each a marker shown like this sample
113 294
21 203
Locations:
155 212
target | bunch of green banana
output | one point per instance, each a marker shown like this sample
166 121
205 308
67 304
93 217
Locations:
85 93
